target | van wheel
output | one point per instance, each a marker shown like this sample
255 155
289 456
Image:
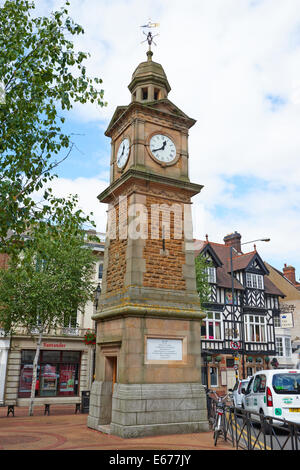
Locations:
266 426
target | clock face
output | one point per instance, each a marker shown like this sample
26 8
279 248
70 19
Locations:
163 148
123 153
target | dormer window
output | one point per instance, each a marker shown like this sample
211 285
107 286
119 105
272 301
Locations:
211 275
254 281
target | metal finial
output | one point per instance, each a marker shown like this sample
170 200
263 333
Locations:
149 34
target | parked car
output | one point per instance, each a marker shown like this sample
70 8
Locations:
237 392
275 393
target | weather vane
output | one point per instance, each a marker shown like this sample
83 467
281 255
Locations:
149 34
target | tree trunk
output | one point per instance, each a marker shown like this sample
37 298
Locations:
34 372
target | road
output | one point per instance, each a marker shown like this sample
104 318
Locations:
278 439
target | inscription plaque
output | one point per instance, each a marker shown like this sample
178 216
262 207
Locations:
159 349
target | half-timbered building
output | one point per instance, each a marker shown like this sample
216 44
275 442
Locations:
238 334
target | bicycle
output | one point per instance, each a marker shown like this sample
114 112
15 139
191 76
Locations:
219 419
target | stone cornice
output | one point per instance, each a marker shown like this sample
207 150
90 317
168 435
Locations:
150 109
133 173
154 311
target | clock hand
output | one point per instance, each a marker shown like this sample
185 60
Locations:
161 148
121 153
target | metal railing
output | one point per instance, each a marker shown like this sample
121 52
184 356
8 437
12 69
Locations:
252 431
59 331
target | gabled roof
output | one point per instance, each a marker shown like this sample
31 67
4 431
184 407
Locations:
220 253
247 260
208 250
241 262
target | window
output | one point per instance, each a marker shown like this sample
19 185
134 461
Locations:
288 348
58 373
277 322
213 376
204 375
211 326
156 93
70 321
259 385
100 271
286 383
255 328
254 281
144 93
249 371
211 275
283 346
230 363
279 346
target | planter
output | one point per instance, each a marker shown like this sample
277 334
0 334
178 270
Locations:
218 359
259 360
249 359
208 358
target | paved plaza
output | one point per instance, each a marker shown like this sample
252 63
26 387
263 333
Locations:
65 430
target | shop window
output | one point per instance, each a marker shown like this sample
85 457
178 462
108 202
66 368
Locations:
58 373
50 356
70 356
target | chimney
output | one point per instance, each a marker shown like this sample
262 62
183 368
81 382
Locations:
234 239
289 272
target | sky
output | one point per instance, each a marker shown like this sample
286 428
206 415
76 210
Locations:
234 67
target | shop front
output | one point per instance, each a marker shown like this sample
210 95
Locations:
64 371
58 374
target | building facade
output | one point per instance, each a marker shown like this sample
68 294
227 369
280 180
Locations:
287 325
66 363
238 333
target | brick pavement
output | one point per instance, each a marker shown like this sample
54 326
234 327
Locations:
65 430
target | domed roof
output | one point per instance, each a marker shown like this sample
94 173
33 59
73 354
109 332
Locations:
149 72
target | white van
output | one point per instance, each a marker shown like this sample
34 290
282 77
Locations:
274 393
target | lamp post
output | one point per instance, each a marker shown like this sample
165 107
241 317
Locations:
97 293
234 309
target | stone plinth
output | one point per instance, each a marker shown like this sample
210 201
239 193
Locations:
151 409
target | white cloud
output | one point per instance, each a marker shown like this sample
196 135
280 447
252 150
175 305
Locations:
87 190
222 60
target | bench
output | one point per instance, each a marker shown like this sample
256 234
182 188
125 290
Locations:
47 407
11 408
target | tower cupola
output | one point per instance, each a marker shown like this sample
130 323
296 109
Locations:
149 81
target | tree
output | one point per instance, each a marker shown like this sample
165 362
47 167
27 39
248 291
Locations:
202 284
49 281
41 77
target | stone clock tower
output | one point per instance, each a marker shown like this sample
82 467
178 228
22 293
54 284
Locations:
148 356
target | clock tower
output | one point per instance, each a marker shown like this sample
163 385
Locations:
148 353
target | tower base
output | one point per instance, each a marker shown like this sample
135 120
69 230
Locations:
138 410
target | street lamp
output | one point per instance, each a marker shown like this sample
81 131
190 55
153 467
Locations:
232 301
97 293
